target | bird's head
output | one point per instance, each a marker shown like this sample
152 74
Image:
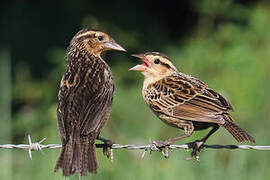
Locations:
95 42
155 65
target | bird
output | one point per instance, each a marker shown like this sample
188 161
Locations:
184 102
84 100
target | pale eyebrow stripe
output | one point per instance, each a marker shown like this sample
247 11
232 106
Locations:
86 34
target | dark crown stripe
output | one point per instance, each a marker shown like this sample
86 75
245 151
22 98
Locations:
158 54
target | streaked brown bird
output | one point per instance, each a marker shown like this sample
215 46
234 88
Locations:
84 101
184 102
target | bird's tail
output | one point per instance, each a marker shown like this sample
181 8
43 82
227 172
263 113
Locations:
78 155
239 134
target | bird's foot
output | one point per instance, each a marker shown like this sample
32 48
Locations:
107 145
197 146
160 145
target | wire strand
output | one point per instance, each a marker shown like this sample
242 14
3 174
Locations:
38 146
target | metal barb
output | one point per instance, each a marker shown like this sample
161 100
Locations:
143 154
30 144
34 146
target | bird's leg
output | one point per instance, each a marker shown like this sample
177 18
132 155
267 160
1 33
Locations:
106 146
160 143
188 128
198 144
104 140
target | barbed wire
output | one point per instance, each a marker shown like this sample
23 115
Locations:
38 146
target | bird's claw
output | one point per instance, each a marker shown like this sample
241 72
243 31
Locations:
197 146
160 145
107 145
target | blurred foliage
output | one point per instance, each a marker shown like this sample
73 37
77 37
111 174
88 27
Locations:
227 45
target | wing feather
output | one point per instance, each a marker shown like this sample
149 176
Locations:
187 98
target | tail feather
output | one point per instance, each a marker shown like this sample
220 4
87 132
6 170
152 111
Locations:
92 165
239 134
78 156
60 160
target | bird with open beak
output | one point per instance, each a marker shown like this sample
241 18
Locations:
184 102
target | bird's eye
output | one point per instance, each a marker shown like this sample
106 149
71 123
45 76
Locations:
100 38
157 61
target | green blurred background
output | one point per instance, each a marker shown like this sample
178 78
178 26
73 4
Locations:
225 43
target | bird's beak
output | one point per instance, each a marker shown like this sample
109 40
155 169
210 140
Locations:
113 46
141 56
140 67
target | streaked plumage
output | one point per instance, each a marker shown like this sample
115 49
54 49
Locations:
183 101
84 101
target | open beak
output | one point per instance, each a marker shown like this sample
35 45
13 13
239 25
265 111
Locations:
140 67
113 46
141 56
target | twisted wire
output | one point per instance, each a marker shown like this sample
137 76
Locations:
38 146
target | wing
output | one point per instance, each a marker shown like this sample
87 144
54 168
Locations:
97 110
84 100
187 98
65 120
